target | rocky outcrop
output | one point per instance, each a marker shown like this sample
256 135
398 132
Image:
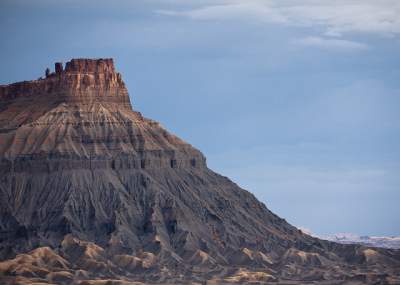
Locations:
91 190
81 118
83 81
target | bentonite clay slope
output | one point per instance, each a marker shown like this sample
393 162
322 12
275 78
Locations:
91 191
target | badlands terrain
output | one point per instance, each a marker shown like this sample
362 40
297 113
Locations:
92 192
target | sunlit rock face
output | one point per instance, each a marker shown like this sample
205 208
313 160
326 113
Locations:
91 190
82 81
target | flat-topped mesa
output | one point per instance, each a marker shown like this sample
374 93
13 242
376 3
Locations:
82 81
81 118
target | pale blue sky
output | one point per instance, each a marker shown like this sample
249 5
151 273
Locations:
296 101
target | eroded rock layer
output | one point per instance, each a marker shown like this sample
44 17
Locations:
92 192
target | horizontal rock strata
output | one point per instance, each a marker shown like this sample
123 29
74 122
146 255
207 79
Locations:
91 192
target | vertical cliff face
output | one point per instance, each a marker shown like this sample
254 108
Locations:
98 191
83 81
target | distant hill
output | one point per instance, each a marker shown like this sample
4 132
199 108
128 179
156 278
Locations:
348 238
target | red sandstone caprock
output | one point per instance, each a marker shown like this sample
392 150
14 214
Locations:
82 81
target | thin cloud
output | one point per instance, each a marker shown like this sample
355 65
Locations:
351 16
230 11
331 44
335 17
